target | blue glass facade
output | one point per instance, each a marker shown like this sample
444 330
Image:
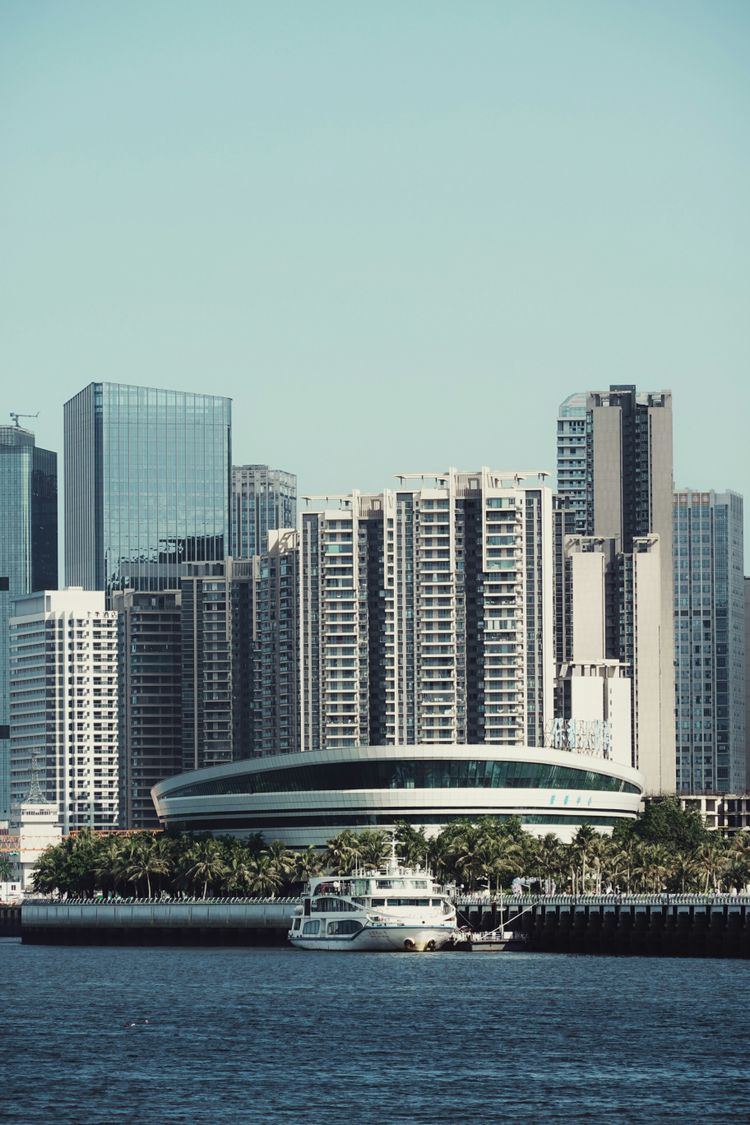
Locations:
709 641
147 485
28 552
463 773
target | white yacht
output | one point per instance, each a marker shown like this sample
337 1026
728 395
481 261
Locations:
394 909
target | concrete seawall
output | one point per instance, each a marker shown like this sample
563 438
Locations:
646 925
10 920
194 922
652 925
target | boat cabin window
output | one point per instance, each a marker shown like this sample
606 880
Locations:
296 923
408 902
332 904
344 926
311 927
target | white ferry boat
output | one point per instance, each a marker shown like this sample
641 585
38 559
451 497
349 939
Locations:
395 909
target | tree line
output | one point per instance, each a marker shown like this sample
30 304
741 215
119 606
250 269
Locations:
666 849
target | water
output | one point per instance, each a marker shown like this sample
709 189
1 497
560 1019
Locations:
282 1036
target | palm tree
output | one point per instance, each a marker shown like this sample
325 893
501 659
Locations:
238 873
685 872
342 852
281 857
656 867
145 858
374 848
549 860
582 852
306 865
471 854
738 857
712 863
412 844
203 863
108 865
51 873
82 852
622 860
265 878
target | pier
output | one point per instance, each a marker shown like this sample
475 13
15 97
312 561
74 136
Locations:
647 925
650 925
262 921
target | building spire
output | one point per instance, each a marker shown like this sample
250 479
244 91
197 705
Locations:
35 795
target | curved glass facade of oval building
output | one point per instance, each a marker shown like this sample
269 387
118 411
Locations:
459 773
304 799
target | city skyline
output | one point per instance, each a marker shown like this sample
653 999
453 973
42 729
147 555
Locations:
357 262
544 435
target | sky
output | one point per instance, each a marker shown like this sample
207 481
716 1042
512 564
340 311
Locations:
397 234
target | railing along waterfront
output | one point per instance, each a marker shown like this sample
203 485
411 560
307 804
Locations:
662 898
659 924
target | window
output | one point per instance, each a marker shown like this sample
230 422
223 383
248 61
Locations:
341 926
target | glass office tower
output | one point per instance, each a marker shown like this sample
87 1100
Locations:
147 485
28 552
709 612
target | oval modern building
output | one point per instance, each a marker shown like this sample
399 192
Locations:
305 799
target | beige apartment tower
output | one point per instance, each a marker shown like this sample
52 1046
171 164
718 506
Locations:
623 494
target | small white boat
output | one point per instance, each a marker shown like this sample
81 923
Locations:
493 941
395 909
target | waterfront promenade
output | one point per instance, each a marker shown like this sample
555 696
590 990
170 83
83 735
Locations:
658 924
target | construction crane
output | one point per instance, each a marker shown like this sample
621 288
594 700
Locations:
15 417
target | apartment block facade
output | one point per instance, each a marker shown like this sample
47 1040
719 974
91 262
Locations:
426 613
623 497
28 553
150 698
64 705
273 698
263 500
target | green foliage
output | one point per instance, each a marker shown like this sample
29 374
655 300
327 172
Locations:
666 823
666 849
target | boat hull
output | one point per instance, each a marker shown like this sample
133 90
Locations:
379 939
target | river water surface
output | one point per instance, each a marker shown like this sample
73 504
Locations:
282 1036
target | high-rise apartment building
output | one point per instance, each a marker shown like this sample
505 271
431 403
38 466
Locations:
709 620
150 697
274 700
64 705
28 552
147 485
572 459
263 500
217 663
747 679
426 614
627 489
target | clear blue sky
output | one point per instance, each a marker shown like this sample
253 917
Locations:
398 234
